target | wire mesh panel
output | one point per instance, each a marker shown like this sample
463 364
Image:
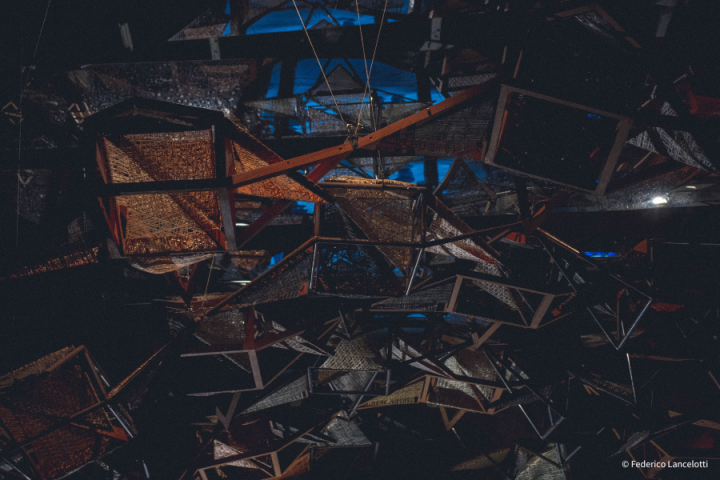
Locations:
225 328
335 223
355 271
407 395
220 451
361 353
37 397
346 433
292 392
482 461
163 156
533 467
488 301
432 299
161 223
172 147
462 191
250 154
615 305
210 84
207 25
289 279
73 247
165 263
678 145
459 133
326 381
454 394
445 224
387 215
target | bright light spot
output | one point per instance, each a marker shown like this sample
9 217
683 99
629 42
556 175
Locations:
659 200
242 224
691 186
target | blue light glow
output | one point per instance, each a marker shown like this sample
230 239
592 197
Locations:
277 258
601 254
308 207
415 172
392 84
274 85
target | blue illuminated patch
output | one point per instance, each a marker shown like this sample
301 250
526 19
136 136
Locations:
601 254
277 258
308 207
274 85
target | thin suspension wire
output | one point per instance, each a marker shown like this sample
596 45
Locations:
212 263
318 61
362 44
42 27
22 91
372 62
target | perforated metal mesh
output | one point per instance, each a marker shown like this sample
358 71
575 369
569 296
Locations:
294 391
225 328
462 192
296 342
250 154
77 258
680 146
454 394
289 279
352 104
445 224
165 263
355 271
352 381
210 84
390 165
357 354
431 299
535 468
341 80
335 223
346 433
595 23
299 344
383 215
220 451
207 25
77 250
248 260
473 364
456 134
488 301
164 156
35 405
161 223
482 461
404 396
325 123
34 368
